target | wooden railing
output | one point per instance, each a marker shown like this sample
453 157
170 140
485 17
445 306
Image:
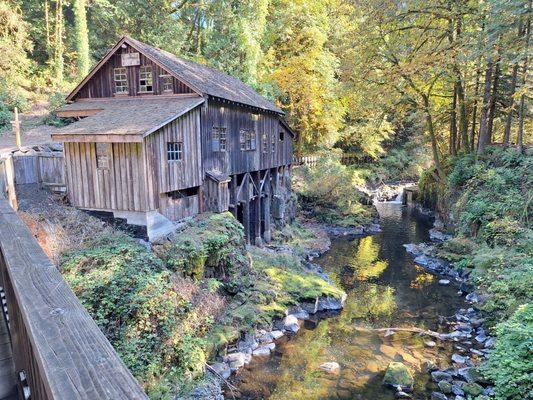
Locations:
7 181
58 350
311 160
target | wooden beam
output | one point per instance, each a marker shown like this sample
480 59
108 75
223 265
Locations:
98 138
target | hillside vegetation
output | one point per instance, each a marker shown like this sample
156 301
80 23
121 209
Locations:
168 311
489 202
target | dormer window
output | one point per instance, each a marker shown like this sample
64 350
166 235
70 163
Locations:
120 75
145 79
167 84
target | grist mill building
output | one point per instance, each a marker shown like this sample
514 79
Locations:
159 138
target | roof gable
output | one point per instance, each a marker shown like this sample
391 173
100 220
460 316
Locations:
201 79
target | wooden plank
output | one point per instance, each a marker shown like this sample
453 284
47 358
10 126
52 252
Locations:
62 350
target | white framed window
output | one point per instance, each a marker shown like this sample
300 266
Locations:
219 139
174 151
120 76
145 79
167 83
247 140
102 155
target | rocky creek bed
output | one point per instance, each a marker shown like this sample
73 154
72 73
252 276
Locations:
438 338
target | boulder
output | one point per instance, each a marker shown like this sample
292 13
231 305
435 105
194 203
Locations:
438 396
330 303
444 282
438 376
458 359
261 351
330 367
221 369
235 360
430 343
276 334
472 389
290 324
445 387
396 375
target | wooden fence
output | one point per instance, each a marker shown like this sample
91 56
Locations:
312 159
47 169
58 350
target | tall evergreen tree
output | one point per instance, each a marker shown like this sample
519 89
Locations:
82 37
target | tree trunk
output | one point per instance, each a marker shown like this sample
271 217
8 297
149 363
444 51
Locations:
492 108
59 49
453 123
512 109
82 37
474 111
433 136
483 123
522 109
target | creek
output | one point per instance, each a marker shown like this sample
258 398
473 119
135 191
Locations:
385 289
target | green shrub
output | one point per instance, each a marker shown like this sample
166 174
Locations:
56 100
5 115
510 363
155 320
330 192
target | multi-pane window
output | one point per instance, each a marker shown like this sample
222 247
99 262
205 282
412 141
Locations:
166 83
264 142
120 76
102 155
273 143
219 139
247 140
145 79
174 151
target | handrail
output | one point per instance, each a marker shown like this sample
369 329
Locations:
56 344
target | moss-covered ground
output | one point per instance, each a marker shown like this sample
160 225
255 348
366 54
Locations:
168 309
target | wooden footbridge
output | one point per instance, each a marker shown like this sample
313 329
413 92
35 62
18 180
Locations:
50 347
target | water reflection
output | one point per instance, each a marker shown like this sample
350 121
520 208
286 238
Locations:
385 289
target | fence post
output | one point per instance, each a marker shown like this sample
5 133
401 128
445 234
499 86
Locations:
10 182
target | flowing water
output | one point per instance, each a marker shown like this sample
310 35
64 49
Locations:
385 289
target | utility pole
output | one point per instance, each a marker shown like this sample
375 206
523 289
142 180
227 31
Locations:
16 128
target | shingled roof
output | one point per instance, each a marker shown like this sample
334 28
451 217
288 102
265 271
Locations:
205 79
134 118
201 78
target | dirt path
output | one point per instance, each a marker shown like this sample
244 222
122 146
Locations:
32 128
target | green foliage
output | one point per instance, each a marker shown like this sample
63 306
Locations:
5 115
490 200
330 192
366 138
210 240
56 100
509 364
151 317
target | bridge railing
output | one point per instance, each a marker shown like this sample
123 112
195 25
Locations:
58 350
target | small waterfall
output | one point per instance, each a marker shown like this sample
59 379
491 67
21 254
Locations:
399 197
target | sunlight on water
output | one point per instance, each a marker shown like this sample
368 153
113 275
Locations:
385 289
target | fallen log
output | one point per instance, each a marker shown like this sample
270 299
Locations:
412 330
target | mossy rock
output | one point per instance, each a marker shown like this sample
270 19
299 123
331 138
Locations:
472 389
397 374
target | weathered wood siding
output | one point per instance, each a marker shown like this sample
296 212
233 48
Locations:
165 176
120 186
176 209
51 169
102 83
234 160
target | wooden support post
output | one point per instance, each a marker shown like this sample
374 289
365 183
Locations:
233 195
246 207
16 128
257 209
267 236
